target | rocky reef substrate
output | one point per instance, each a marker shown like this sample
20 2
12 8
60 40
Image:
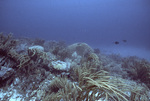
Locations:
39 70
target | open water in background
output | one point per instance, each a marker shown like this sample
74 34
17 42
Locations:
97 22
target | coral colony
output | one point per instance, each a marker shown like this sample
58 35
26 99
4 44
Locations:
39 70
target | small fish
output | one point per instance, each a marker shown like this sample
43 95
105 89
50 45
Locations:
124 40
116 42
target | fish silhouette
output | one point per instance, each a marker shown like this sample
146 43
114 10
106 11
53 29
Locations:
124 40
116 42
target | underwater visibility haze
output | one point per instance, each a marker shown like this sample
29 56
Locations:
97 22
75 50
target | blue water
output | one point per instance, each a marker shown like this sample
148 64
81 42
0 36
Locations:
97 22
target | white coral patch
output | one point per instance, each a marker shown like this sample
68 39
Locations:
60 65
36 47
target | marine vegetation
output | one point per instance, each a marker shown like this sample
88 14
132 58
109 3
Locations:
7 45
89 86
61 89
137 69
98 86
39 70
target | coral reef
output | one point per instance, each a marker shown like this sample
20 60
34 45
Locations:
61 89
59 49
6 43
60 65
137 69
99 86
80 48
39 70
